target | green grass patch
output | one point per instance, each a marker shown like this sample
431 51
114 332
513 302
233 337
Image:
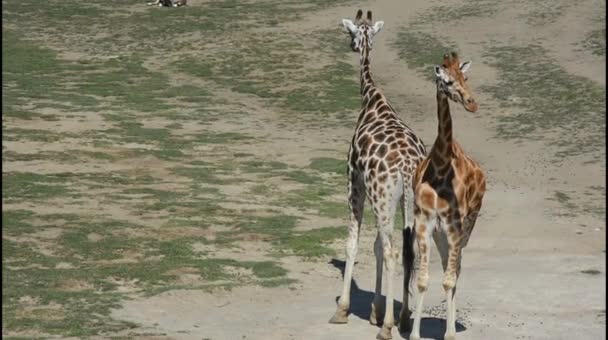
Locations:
550 99
544 12
302 176
313 243
15 221
120 67
71 156
334 86
595 41
14 134
465 10
422 51
329 165
202 175
19 186
222 137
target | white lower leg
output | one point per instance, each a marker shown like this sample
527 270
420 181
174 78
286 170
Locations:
377 311
341 314
351 253
454 309
379 266
450 322
451 315
415 335
389 260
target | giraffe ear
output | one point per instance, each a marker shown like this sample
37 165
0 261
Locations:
378 26
464 67
439 72
349 25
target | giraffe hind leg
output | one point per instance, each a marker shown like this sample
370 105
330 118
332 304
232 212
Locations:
408 251
356 201
377 313
385 208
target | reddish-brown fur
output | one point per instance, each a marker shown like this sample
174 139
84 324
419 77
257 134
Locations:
449 188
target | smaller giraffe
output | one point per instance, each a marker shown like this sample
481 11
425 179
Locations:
449 188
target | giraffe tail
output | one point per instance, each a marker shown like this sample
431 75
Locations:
408 258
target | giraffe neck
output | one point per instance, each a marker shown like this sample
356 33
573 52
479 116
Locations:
442 151
370 95
367 82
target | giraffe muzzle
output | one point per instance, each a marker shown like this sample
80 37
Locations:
470 105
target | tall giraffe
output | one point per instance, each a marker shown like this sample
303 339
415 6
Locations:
383 156
449 187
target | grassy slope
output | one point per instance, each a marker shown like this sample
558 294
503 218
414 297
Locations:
90 94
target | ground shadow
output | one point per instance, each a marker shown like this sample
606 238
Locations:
360 306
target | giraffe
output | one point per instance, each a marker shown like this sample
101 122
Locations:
449 187
383 156
168 3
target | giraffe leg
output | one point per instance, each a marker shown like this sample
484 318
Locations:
441 241
384 208
452 271
377 314
390 260
424 228
356 202
443 247
408 253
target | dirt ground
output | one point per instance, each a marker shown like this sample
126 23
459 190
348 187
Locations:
522 270
534 267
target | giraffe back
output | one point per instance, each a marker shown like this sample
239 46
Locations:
383 145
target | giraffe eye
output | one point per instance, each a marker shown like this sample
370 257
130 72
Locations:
449 83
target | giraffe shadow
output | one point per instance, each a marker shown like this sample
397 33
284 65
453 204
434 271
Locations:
361 302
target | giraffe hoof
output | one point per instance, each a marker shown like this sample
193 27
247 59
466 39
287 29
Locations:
384 334
340 317
449 337
413 337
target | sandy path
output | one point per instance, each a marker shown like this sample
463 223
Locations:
522 268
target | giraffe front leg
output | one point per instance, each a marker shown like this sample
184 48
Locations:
450 278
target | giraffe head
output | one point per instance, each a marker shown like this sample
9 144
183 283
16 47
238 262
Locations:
362 31
452 81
